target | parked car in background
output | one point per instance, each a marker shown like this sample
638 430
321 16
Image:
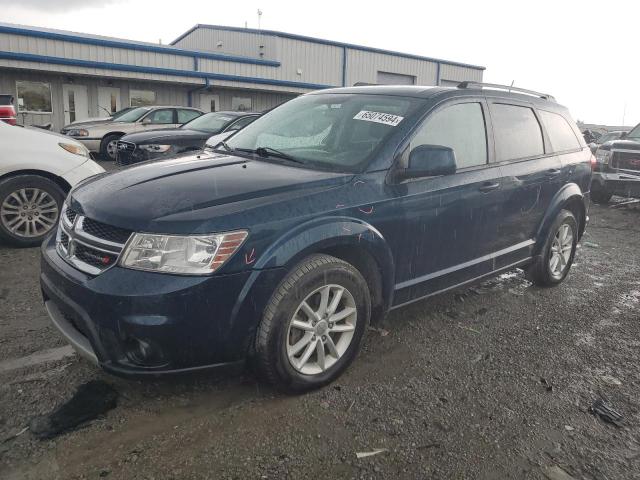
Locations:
607 137
111 117
322 215
617 168
139 147
7 110
102 137
37 170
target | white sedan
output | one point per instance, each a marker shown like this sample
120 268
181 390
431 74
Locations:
37 170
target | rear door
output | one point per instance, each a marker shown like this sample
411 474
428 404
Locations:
532 173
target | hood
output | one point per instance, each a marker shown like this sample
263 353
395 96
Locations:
621 145
208 192
170 135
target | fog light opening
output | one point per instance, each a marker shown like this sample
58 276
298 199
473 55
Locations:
144 352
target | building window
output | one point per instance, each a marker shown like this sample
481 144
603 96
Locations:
142 98
240 104
34 97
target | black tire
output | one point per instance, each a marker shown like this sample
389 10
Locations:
8 203
540 272
104 146
314 272
600 196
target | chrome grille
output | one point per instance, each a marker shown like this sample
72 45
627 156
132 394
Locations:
126 147
88 245
106 232
626 160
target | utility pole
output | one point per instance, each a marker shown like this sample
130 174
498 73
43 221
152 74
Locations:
624 113
259 18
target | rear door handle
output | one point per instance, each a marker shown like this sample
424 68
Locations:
488 186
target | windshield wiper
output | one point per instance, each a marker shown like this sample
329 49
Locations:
270 152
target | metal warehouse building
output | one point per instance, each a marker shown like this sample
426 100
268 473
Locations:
58 76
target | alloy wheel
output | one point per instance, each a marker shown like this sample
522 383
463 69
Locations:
321 329
29 212
112 148
561 249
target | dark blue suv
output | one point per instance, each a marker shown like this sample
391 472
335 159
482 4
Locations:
282 244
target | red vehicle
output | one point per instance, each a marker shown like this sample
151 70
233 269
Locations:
7 110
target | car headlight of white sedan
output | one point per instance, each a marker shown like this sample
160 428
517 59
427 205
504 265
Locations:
188 254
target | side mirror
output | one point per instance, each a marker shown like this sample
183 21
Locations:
624 135
146 120
430 161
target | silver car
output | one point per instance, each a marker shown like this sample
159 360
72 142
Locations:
101 137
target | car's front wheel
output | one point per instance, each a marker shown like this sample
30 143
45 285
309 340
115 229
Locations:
556 258
313 325
29 208
109 146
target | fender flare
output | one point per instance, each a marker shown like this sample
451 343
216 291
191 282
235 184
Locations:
317 235
568 194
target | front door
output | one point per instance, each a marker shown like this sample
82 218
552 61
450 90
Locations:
209 102
108 101
447 220
76 103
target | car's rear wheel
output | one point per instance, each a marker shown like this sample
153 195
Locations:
109 146
29 209
313 325
553 264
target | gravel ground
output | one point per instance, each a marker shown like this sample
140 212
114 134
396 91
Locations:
491 382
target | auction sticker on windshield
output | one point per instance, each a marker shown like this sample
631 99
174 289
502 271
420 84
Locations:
378 117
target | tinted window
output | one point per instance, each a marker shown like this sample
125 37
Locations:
460 127
517 132
160 116
560 132
185 116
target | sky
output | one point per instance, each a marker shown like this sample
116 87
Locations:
577 51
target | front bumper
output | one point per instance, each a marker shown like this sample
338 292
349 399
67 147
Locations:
84 170
618 183
188 323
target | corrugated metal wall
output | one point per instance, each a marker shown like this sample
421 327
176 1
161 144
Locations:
364 66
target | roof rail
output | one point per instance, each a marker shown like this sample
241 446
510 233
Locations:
494 86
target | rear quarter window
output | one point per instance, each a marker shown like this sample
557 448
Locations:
559 131
517 132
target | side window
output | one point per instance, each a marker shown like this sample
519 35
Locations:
560 132
243 122
185 116
160 116
517 132
460 127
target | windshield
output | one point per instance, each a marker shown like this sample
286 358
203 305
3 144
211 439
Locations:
331 131
635 133
119 113
210 122
133 115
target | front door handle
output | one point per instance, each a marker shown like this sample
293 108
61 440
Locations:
488 186
553 172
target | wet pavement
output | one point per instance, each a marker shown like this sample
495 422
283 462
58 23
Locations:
490 382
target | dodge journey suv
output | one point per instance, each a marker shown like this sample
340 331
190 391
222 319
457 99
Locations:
283 243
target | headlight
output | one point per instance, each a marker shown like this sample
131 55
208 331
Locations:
193 255
155 148
75 149
78 132
603 156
